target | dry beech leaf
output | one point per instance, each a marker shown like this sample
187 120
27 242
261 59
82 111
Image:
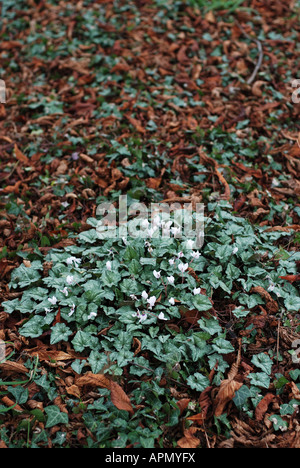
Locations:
137 344
189 440
262 406
119 398
8 402
226 393
270 302
197 418
93 380
256 88
51 355
228 386
295 390
10 366
183 404
73 390
20 156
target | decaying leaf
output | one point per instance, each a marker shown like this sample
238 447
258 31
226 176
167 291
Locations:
189 440
119 398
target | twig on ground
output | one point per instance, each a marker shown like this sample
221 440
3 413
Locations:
260 51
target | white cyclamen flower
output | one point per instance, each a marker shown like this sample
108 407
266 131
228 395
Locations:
72 310
183 267
235 250
65 291
73 260
167 224
156 221
151 231
162 316
195 254
133 297
47 310
108 265
145 223
180 254
197 291
190 244
52 300
172 301
70 279
92 315
175 231
171 261
156 274
144 295
142 316
151 301
171 279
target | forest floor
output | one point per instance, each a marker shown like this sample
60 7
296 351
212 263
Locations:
160 101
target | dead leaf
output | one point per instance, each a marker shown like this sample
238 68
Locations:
291 278
197 418
189 440
137 344
8 402
256 88
20 156
183 404
10 366
295 391
73 390
119 398
228 386
93 380
262 406
271 304
226 393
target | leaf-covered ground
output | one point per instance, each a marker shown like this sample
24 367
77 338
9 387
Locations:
162 101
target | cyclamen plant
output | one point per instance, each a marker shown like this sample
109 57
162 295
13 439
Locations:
145 288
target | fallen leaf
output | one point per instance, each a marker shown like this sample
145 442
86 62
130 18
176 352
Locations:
20 156
183 404
226 393
262 406
93 380
197 418
73 390
10 366
291 278
119 398
189 440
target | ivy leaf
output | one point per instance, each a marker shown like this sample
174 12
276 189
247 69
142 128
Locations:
222 346
241 396
55 416
259 379
263 361
198 382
